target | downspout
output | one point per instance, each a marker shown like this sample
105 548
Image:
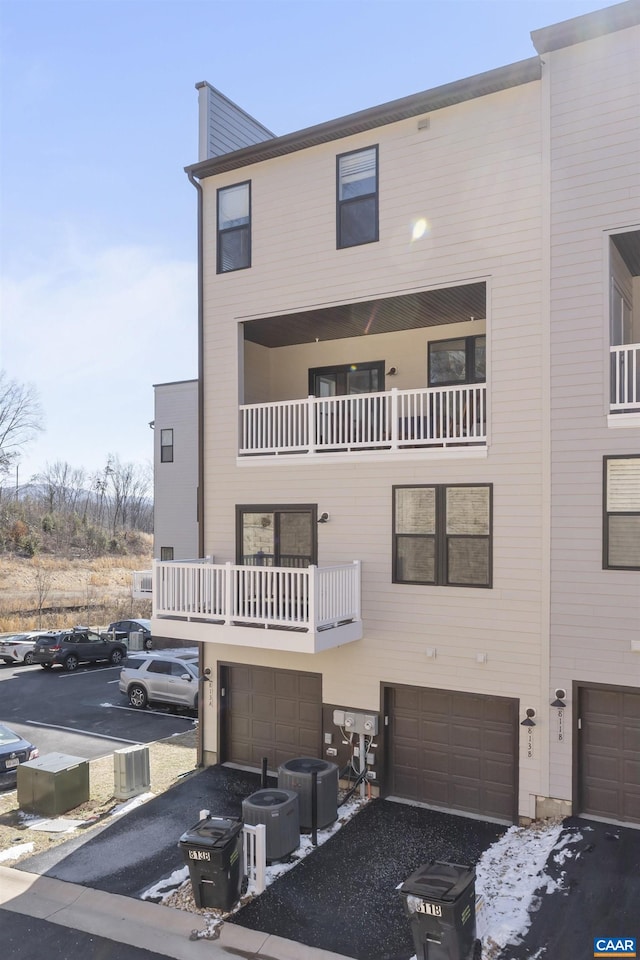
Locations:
200 487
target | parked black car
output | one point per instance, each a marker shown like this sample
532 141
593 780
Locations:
14 750
68 648
122 629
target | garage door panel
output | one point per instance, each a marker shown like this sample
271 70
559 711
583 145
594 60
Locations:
263 730
241 701
602 703
309 713
407 728
433 790
454 750
631 807
631 739
271 713
498 742
434 762
631 706
262 681
241 728
501 802
286 734
466 765
435 702
609 753
465 736
406 754
466 796
601 733
285 709
497 772
432 731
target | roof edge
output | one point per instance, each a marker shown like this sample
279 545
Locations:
587 27
481 84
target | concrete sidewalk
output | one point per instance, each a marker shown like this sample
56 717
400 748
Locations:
148 926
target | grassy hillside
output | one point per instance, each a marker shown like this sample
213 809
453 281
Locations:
49 591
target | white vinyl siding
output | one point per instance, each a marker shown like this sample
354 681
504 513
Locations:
476 175
593 92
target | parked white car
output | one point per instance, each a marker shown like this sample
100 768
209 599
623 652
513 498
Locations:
18 647
158 678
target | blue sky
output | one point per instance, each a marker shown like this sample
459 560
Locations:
98 118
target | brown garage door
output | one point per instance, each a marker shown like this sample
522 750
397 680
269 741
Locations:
457 751
269 713
609 753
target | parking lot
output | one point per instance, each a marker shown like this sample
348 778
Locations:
82 714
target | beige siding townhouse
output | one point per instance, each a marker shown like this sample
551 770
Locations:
418 407
590 98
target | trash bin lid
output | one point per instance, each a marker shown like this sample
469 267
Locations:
437 880
212 832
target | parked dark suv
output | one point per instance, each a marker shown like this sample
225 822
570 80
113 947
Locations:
68 648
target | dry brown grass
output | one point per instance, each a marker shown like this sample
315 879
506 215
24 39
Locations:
170 760
91 591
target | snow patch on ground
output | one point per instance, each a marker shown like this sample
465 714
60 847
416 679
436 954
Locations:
14 852
511 878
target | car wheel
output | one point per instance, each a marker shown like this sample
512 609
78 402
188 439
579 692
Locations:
195 703
28 658
148 644
137 697
46 666
71 662
116 657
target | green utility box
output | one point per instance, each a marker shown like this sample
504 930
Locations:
53 784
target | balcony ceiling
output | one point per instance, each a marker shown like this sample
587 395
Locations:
628 245
411 311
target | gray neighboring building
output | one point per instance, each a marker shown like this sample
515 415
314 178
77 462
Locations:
175 475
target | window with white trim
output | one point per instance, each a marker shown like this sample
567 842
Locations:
621 537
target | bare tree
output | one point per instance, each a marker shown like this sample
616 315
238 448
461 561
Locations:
128 487
20 419
42 587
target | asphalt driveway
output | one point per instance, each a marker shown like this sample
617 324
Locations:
343 897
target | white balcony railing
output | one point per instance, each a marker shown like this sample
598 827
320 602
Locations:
310 598
625 378
142 584
393 420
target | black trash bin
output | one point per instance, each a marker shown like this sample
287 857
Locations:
212 850
440 901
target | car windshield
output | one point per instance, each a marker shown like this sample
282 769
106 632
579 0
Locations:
7 736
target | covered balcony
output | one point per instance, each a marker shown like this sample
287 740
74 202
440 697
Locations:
296 609
395 375
390 420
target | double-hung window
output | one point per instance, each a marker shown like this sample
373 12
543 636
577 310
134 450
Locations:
234 227
357 213
621 537
166 446
442 535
